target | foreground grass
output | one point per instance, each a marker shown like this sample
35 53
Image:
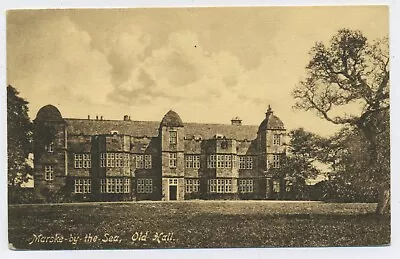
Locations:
195 224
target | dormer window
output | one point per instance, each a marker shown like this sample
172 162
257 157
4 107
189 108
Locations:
219 136
114 132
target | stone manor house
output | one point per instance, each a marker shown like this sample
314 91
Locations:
109 160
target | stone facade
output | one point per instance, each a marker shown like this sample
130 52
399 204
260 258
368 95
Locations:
109 160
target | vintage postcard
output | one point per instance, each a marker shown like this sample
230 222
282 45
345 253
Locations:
213 127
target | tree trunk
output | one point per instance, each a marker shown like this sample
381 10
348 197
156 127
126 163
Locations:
383 206
384 200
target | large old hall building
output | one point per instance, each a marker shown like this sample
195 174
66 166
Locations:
108 160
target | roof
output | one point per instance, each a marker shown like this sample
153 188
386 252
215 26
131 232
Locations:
49 113
150 128
209 130
171 119
97 127
271 121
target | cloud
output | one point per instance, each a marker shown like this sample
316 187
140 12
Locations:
208 64
124 48
139 89
179 71
52 60
184 76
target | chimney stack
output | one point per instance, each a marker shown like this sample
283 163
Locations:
127 118
97 117
101 117
88 117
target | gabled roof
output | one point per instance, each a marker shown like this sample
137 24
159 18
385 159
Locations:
150 128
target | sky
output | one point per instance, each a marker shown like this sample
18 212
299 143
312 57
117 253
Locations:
207 64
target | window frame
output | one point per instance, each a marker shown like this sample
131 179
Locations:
82 185
249 162
173 137
188 161
220 185
148 164
49 172
144 185
276 186
196 161
139 161
276 161
173 181
172 161
246 185
127 185
211 161
276 139
49 147
103 159
242 162
103 185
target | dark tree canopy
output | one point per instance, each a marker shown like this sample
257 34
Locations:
306 144
297 166
350 71
353 177
19 136
347 83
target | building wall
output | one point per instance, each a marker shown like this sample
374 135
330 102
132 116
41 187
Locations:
164 178
45 134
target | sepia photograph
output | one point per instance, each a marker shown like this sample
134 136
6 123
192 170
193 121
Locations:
198 127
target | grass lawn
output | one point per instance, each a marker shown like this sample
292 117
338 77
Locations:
195 224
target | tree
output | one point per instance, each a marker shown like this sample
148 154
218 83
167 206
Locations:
297 166
350 74
306 144
352 178
19 138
